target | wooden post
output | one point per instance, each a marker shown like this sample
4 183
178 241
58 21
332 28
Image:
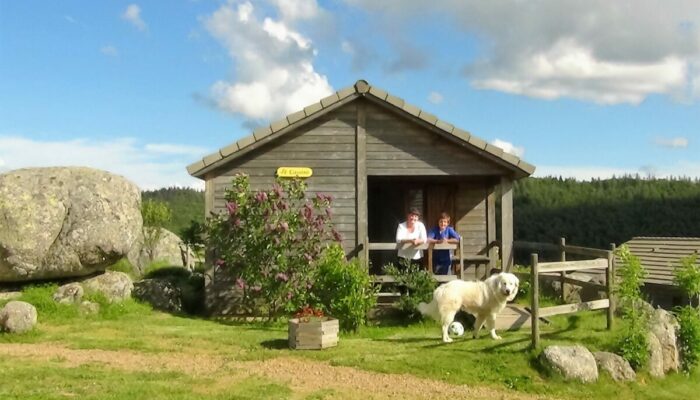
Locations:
491 228
461 257
365 251
562 275
534 301
361 174
610 285
429 267
506 224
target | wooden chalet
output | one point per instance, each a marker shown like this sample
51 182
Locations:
660 256
378 156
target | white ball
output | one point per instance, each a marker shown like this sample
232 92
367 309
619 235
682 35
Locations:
456 328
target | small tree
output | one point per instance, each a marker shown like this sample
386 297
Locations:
155 215
268 241
687 277
633 344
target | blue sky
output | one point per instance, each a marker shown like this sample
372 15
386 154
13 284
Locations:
142 89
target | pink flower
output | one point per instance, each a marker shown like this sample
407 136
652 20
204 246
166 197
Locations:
282 277
232 208
283 226
219 262
277 189
260 197
240 283
337 236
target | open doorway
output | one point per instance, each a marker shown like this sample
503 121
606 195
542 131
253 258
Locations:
388 200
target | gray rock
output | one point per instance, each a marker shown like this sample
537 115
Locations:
70 293
89 308
115 286
10 295
618 368
65 222
656 357
573 362
169 249
664 326
161 294
17 317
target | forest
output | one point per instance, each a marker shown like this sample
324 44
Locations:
587 213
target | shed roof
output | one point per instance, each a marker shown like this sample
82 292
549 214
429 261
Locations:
660 255
360 89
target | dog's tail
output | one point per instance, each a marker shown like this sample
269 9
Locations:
430 310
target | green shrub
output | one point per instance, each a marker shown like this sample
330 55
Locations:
633 343
415 284
343 289
687 277
689 337
268 242
155 215
124 266
41 297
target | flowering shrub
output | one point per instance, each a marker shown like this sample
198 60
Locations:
268 241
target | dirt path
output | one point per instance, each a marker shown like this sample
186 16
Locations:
302 376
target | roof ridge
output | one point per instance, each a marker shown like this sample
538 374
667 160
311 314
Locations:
360 88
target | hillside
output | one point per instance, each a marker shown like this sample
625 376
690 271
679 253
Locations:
186 204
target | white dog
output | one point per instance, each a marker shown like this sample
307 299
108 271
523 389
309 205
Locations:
483 299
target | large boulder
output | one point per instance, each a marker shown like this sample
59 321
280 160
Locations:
161 294
115 286
656 357
65 222
17 317
664 326
618 368
169 249
573 362
70 293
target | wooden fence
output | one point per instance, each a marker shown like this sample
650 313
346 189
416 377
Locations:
604 260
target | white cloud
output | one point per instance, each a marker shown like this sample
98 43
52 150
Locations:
274 72
592 50
145 165
133 15
297 9
509 147
674 143
435 98
109 50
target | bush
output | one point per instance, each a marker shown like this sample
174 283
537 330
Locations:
415 284
343 289
191 286
155 215
687 277
268 241
689 337
633 344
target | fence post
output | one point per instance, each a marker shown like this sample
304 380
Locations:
610 285
534 301
562 274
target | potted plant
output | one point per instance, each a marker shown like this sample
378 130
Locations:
311 329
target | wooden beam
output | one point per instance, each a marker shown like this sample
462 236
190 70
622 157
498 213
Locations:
609 285
562 275
573 265
506 224
586 251
208 196
571 308
424 246
491 226
361 173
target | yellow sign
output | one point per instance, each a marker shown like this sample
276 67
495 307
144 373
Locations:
294 172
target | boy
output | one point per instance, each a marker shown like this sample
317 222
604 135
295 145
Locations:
443 233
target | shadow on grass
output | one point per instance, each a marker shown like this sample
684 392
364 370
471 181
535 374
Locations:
275 344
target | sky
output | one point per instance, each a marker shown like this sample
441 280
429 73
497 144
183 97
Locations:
583 89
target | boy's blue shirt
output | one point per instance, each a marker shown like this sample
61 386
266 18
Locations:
442 257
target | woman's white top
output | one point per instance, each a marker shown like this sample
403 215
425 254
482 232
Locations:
419 232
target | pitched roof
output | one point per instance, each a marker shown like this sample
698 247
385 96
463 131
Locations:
660 255
360 89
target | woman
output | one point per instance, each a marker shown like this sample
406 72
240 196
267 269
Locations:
413 232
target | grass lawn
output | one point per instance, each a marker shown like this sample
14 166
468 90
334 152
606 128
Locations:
131 352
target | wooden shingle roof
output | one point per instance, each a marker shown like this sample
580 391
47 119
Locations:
660 255
360 89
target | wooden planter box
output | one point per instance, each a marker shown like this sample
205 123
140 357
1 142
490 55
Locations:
318 334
